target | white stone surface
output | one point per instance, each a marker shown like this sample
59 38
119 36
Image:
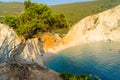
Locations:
99 27
31 52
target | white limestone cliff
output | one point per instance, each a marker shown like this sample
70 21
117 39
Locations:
31 52
28 64
104 26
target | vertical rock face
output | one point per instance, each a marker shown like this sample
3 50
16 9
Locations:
27 63
31 52
100 27
8 39
9 34
50 40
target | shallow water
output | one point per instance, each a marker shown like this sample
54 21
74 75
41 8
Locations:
102 59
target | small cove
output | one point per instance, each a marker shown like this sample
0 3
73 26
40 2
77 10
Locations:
101 59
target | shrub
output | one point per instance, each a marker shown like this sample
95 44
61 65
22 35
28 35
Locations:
69 76
36 18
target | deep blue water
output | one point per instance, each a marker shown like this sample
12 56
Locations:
102 59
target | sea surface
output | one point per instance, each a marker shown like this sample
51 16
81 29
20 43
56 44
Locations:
101 59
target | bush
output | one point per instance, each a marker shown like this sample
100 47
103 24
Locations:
69 76
36 18
11 21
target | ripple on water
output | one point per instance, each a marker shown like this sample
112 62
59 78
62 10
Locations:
100 59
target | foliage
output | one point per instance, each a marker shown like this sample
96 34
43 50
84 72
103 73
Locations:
118 23
77 11
10 20
13 8
69 76
95 20
74 12
110 3
1 19
36 18
81 9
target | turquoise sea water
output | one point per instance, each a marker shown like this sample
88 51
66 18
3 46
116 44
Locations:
102 59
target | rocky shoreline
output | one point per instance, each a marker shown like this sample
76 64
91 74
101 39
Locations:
28 57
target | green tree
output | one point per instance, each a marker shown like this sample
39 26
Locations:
36 18
11 21
27 4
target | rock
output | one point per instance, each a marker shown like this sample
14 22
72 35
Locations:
31 52
21 61
27 72
99 27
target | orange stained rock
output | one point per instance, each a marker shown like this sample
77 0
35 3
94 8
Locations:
48 41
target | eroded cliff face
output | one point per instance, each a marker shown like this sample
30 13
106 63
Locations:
31 52
50 41
104 26
22 61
